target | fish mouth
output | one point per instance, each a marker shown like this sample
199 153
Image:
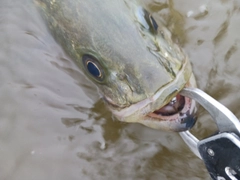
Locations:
174 106
178 115
165 110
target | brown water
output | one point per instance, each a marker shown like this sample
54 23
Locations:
53 124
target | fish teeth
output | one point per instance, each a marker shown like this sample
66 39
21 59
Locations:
174 100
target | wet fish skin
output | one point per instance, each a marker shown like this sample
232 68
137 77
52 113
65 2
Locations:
141 68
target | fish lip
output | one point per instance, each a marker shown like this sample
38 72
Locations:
182 120
121 112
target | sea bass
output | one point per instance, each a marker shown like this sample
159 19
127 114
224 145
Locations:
129 56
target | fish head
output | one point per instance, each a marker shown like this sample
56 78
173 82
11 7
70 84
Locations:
129 56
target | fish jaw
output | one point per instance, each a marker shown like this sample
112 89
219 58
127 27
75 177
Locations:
148 111
182 120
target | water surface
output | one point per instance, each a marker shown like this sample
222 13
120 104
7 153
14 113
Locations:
53 124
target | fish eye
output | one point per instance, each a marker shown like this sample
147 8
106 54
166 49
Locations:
93 68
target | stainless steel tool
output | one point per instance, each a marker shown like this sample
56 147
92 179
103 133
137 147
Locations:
220 152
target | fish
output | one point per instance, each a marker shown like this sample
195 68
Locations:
129 56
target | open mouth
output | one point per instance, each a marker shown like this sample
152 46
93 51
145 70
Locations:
173 107
179 113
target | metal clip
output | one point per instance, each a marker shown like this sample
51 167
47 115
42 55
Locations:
223 117
221 152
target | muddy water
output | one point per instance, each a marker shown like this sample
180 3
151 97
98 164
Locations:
53 124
